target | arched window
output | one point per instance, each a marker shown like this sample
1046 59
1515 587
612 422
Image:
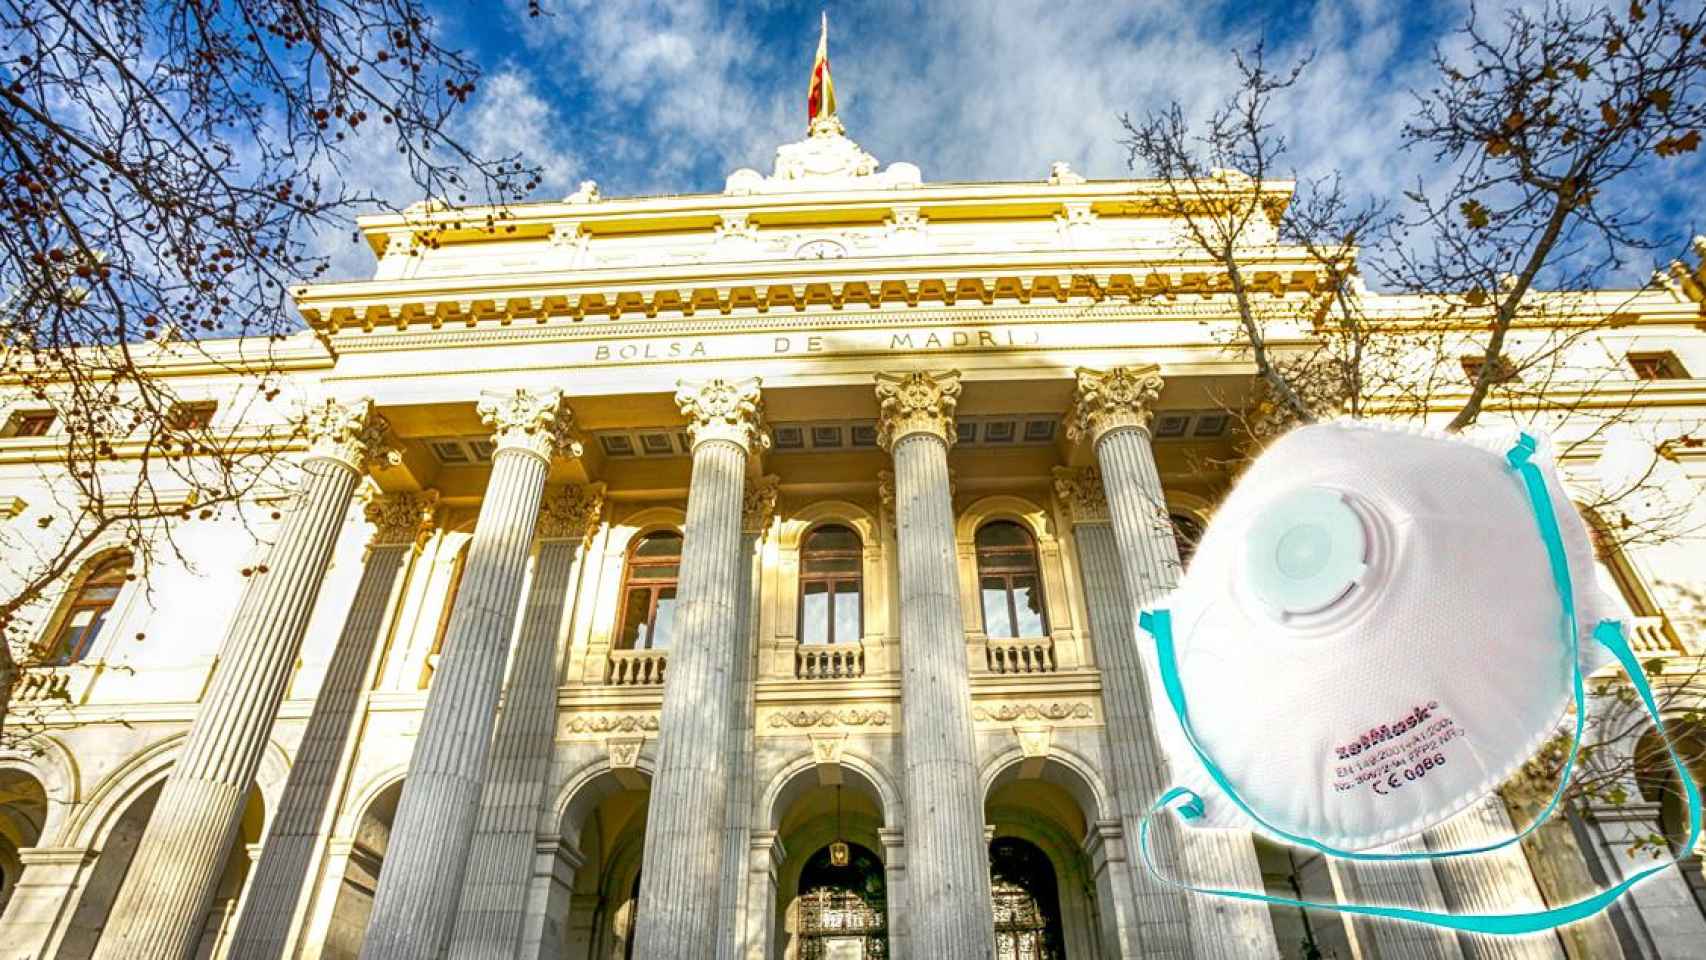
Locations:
87 612
648 592
1009 582
830 586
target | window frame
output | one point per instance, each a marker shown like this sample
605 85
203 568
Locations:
112 572
654 585
1007 574
1660 364
833 580
15 424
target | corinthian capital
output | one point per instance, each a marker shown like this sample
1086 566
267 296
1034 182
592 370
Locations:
1080 491
570 512
917 403
401 519
537 423
758 503
1106 400
349 433
724 410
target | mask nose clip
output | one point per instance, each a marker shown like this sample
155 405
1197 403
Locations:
1305 552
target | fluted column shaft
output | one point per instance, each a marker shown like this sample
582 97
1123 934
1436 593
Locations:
1407 883
737 836
163 904
686 821
500 865
414 907
1113 409
275 891
1498 882
947 856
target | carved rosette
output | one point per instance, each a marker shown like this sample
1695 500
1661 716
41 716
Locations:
1104 401
728 410
536 423
1080 491
349 433
401 519
570 512
758 504
917 403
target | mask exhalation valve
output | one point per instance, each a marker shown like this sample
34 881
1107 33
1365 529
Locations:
1305 551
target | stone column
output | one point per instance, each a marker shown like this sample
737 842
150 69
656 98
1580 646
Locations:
686 822
758 506
1497 882
1406 883
275 892
160 910
414 906
1112 410
949 909
495 890
1660 917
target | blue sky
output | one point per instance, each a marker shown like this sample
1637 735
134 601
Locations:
648 97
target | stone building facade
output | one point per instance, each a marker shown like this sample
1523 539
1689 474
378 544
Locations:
746 575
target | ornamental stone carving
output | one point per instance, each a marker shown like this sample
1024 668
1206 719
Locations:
1009 712
917 403
758 504
611 723
1080 491
825 160
1109 400
804 719
570 512
401 519
349 433
536 423
728 410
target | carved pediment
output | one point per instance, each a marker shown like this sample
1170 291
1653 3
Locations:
824 160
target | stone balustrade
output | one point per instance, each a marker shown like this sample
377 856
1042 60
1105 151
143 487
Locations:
829 661
1652 635
636 668
1031 655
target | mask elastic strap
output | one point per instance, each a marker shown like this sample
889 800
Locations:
1159 622
1609 634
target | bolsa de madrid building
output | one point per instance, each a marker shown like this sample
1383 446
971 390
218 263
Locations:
742 576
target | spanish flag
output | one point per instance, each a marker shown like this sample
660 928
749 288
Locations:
821 99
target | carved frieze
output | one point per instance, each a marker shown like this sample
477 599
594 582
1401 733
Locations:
807 719
1034 710
599 724
721 409
917 403
538 423
1106 400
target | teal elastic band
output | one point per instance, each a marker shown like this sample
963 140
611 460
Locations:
1609 634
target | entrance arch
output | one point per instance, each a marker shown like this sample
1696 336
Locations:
1053 901
354 903
822 909
23 816
592 905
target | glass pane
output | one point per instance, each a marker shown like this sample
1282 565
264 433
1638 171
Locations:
847 613
634 613
1002 533
832 538
662 544
814 613
996 623
832 564
656 571
1028 602
98 593
665 618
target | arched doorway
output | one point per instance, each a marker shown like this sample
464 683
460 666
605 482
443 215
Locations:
1656 779
23 811
1027 902
591 915
354 903
843 906
118 847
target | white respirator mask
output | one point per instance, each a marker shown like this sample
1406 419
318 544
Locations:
1378 628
